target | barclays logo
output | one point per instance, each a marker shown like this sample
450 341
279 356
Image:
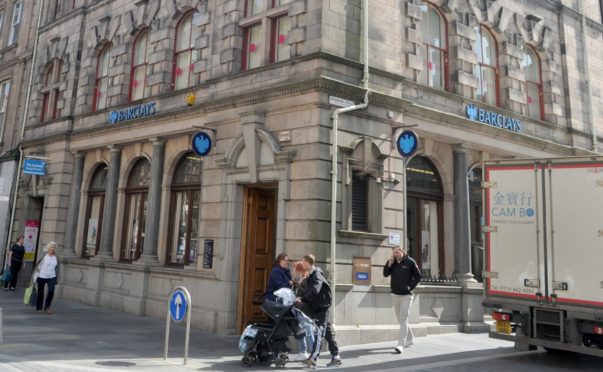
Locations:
492 118
146 109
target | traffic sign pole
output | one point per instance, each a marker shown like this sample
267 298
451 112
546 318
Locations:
179 306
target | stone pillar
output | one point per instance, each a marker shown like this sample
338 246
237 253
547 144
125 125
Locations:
462 236
105 252
74 205
149 250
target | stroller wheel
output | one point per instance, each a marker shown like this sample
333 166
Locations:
280 360
247 361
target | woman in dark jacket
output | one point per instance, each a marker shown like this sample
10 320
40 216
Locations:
15 262
280 277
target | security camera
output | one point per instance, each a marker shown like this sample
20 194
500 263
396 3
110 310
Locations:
394 180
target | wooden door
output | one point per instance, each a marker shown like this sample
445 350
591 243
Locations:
259 239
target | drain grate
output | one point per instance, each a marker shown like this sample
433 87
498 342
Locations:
115 363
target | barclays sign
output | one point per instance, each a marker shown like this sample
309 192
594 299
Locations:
492 118
130 113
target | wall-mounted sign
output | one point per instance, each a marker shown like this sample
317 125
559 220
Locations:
492 118
394 238
30 238
361 270
130 113
34 166
340 102
201 143
407 143
208 253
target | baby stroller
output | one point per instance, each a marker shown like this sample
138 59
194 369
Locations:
267 343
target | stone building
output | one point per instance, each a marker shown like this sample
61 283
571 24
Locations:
121 88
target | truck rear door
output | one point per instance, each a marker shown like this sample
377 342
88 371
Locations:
513 231
574 200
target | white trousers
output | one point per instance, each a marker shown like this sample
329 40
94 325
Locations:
401 305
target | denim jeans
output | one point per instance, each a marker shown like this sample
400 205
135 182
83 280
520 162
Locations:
52 282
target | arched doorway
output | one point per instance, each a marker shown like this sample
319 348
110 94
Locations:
424 213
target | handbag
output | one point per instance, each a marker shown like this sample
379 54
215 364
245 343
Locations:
27 296
33 297
6 276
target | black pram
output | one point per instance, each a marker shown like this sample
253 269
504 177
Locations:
264 342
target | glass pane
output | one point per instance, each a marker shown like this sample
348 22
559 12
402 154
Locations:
422 76
533 101
283 2
183 67
99 180
177 251
424 23
5 90
489 85
425 237
488 48
93 233
530 64
133 225
103 63
282 41
411 226
194 228
188 170
254 7
422 176
435 68
138 82
140 49
436 29
254 57
184 34
478 45
101 93
141 174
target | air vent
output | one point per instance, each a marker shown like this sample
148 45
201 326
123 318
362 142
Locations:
548 325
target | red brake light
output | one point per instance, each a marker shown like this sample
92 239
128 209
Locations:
598 330
501 316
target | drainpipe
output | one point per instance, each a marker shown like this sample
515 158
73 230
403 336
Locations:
23 123
589 93
335 117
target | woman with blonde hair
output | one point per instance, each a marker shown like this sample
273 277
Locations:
47 275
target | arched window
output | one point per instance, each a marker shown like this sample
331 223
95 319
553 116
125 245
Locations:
183 63
136 210
533 87
486 70
434 48
424 215
94 211
102 79
50 91
183 247
138 75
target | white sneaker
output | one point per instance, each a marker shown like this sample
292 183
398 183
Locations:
398 349
302 356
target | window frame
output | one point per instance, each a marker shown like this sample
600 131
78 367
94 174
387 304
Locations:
130 193
92 193
494 67
134 66
98 78
443 50
15 25
274 42
538 84
177 52
50 91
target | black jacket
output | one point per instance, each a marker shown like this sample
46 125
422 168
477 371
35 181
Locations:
405 275
317 292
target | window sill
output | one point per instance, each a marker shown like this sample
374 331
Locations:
362 234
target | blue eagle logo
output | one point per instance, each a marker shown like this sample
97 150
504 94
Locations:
407 143
113 117
202 144
471 111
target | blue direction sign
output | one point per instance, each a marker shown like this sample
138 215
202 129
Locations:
34 166
178 305
201 143
407 143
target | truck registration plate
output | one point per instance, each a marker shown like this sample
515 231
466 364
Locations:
503 326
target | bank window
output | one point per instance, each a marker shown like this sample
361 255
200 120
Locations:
184 57
1 22
136 210
486 70
102 79
533 85
50 91
265 33
185 202
434 48
138 75
16 22
94 211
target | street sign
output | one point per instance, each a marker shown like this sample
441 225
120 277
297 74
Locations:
407 143
34 166
340 102
178 305
201 143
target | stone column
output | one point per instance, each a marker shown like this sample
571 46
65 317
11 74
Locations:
74 205
105 252
462 236
151 229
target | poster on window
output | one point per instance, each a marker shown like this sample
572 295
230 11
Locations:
92 232
31 238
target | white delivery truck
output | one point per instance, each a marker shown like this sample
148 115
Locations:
543 261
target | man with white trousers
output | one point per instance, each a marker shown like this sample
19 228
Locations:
405 277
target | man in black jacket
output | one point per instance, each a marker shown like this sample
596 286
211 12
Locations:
317 295
405 277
